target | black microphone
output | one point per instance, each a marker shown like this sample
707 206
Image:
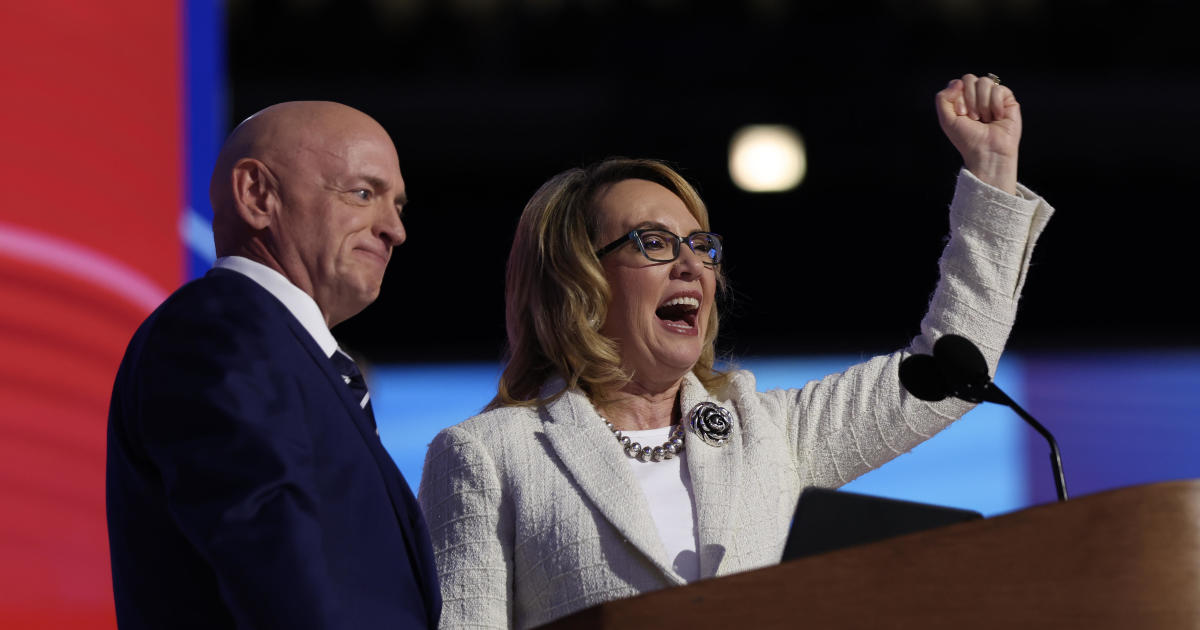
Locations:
958 369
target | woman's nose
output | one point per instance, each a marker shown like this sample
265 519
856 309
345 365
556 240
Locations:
689 263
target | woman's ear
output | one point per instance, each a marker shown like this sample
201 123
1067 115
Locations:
255 193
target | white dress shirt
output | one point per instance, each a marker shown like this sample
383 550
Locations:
300 304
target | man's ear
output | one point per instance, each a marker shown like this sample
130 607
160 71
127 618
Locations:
255 193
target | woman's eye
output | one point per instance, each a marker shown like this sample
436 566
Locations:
653 241
702 243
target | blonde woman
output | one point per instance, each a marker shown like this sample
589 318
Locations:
614 459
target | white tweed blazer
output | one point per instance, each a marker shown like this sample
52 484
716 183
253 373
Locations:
534 512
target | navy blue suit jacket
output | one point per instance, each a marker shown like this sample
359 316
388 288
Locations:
246 488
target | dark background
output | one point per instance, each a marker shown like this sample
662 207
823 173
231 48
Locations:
486 99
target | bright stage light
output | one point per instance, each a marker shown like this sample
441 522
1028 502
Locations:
767 158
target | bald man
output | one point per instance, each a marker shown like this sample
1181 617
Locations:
247 486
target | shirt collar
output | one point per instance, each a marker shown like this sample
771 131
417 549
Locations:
298 303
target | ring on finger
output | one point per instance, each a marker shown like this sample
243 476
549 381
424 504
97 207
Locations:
995 79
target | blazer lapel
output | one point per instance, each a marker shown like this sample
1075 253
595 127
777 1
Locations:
400 498
326 367
716 481
595 460
404 504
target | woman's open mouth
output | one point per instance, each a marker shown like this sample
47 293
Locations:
679 313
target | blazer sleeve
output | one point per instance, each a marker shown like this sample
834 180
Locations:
852 422
471 527
220 414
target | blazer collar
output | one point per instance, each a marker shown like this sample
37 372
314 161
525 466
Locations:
716 479
300 304
404 504
597 463
595 460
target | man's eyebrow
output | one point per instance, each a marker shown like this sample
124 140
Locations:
373 182
378 184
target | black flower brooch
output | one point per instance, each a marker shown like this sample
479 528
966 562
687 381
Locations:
712 423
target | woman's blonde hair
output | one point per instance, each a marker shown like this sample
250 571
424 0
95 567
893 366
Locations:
557 296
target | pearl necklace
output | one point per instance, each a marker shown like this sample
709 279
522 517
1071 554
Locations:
672 447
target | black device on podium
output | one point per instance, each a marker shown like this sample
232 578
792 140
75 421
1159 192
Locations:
827 519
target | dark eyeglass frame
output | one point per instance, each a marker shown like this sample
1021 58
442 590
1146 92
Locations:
636 237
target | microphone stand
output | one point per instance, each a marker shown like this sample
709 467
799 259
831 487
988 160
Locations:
958 369
996 395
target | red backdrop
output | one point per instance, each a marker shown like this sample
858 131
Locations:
91 174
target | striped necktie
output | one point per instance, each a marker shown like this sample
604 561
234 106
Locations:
354 379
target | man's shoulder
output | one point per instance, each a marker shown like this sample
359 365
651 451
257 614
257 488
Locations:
220 311
214 331
221 290
220 298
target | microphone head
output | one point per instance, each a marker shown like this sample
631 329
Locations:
962 367
959 354
919 374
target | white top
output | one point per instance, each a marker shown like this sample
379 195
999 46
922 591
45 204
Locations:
667 486
298 303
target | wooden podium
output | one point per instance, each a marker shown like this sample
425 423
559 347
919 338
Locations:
1127 558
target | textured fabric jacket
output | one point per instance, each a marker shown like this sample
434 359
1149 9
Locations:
534 512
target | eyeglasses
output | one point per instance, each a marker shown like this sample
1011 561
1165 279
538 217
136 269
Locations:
663 246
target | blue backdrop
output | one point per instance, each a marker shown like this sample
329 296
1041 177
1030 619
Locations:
1120 419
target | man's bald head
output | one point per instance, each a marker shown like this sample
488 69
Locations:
305 188
275 135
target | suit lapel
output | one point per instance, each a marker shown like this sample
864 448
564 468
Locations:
589 452
338 385
404 504
326 367
716 481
